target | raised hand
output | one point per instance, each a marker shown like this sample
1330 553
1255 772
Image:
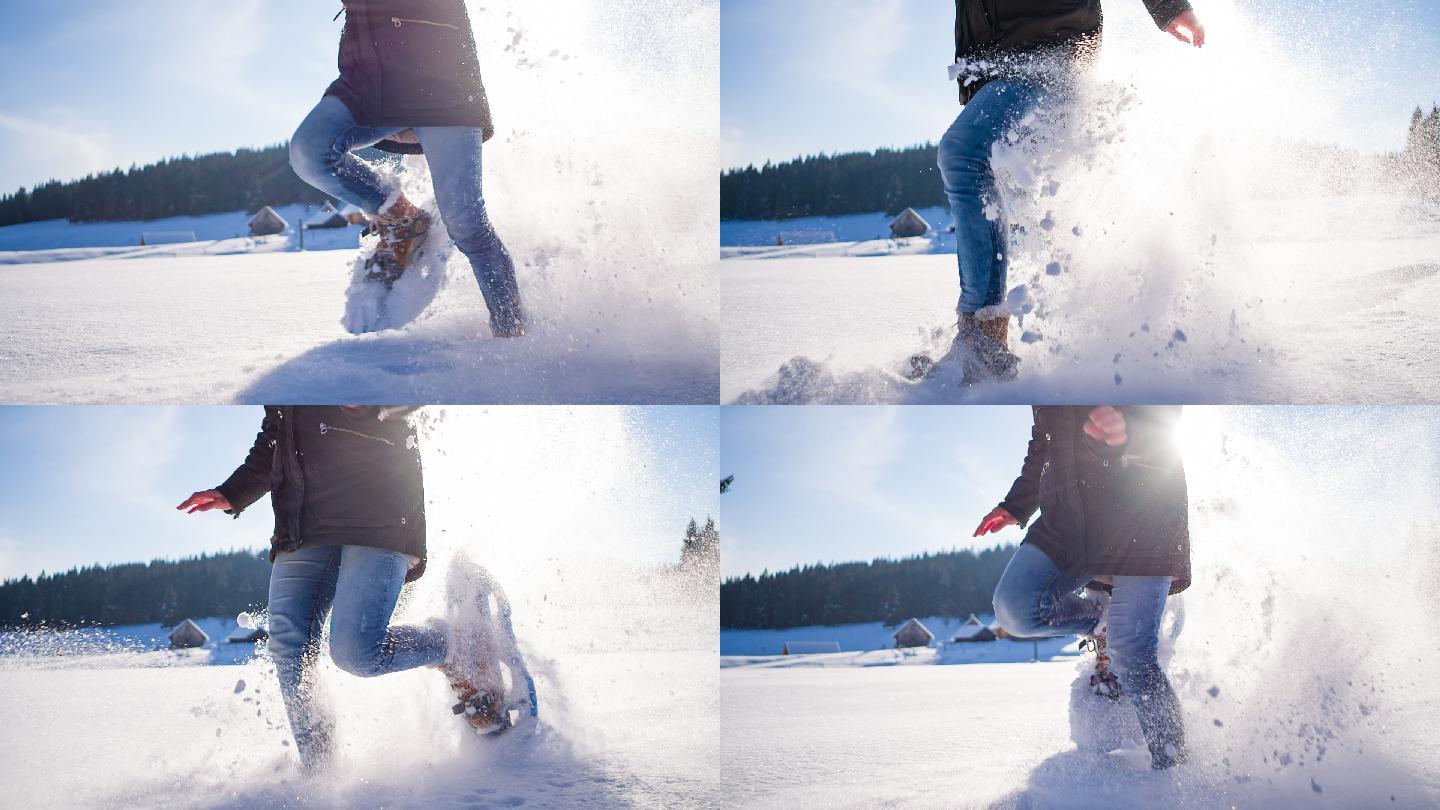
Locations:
1188 29
995 521
204 502
1107 426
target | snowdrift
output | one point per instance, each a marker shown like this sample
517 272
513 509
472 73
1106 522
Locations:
1304 666
1183 233
600 180
563 509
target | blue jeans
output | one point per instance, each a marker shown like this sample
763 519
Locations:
358 587
321 152
964 159
1033 599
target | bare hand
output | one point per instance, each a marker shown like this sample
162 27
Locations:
204 502
995 521
1107 426
1188 29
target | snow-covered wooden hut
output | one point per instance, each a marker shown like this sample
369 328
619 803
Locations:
187 634
909 223
974 630
243 636
327 217
266 222
810 647
913 634
353 215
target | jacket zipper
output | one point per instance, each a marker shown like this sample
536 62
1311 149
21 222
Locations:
398 21
324 429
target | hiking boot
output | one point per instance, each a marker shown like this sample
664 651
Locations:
981 348
402 229
1103 681
481 697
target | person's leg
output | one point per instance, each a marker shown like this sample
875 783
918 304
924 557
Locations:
1034 600
362 642
320 153
1137 605
302 585
964 159
454 157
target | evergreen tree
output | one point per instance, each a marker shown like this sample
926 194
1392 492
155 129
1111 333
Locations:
161 591
888 180
955 583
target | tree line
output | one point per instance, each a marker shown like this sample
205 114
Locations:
1422 149
954 583
888 180
243 180
164 591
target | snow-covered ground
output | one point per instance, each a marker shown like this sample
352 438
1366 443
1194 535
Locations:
1184 233
59 240
737 234
1324 301
564 507
746 645
624 663
615 253
1301 655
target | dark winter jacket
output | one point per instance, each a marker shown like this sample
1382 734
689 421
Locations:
990 30
1103 510
411 63
336 476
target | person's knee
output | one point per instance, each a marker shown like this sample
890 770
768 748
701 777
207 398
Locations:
355 655
1013 609
310 156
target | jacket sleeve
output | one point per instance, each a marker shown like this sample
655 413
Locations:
1024 497
1164 12
251 480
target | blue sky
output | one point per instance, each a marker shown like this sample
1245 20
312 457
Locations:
808 76
824 484
88 484
95 84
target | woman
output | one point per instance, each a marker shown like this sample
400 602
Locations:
1110 488
1009 57
347 490
410 83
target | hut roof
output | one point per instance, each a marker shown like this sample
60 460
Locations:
326 217
188 634
267 222
974 630
913 626
909 223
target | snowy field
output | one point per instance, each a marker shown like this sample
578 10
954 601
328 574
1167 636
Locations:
1303 673
621 644
88 726
614 251
1180 231
745 645
1325 302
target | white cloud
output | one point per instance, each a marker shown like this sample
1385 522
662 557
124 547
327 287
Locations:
55 148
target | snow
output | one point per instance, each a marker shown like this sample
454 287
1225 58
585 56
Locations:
623 651
819 230
181 325
615 252
38 241
1303 674
1183 197
872 636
